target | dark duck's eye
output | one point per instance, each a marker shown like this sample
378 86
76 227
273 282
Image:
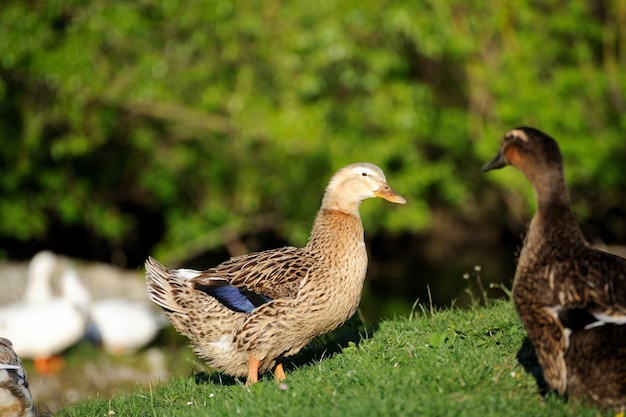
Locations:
364 174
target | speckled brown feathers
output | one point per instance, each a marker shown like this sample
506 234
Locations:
596 365
570 296
244 315
259 272
15 397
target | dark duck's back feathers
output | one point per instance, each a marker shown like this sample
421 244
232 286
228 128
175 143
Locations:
570 296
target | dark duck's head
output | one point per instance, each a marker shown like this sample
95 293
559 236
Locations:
539 158
529 150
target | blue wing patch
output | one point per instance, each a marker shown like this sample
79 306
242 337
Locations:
237 299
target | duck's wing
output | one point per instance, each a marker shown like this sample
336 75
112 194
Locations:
10 360
594 292
607 279
15 375
247 281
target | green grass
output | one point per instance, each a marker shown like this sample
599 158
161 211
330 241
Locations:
453 362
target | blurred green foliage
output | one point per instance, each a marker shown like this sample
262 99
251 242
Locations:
227 118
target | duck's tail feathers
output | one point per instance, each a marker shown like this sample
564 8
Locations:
163 286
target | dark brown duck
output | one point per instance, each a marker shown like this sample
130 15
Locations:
570 296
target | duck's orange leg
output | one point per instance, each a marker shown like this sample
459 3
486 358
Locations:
279 372
253 371
49 366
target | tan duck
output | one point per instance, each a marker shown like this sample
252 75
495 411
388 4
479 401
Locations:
15 397
570 296
244 315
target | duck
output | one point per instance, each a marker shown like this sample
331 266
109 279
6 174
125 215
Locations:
42 325
119 325
16 399
570 296
246 314
123 326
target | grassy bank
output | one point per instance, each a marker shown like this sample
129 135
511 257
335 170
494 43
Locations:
450 362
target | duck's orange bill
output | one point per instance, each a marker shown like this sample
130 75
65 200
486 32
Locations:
388 194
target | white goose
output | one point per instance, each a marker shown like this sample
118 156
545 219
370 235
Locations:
119 325
43 325
123 325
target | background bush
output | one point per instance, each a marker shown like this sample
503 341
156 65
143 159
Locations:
178 129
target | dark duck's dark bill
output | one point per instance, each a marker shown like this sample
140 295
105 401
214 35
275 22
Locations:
496 163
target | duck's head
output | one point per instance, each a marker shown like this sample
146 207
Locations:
355 183
529 150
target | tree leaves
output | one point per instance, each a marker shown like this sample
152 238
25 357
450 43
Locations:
222 111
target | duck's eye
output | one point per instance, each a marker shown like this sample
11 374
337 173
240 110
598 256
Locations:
364 174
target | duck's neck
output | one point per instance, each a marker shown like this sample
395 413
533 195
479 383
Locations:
331 202
39 275
337 242
554 221
550 190
335 232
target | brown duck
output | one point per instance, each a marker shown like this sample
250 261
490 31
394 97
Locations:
15 397
244 315
570 296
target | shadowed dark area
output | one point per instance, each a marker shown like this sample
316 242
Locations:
528 359
330 344
216 378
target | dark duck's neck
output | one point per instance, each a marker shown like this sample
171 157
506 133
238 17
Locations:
554 229
554 220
